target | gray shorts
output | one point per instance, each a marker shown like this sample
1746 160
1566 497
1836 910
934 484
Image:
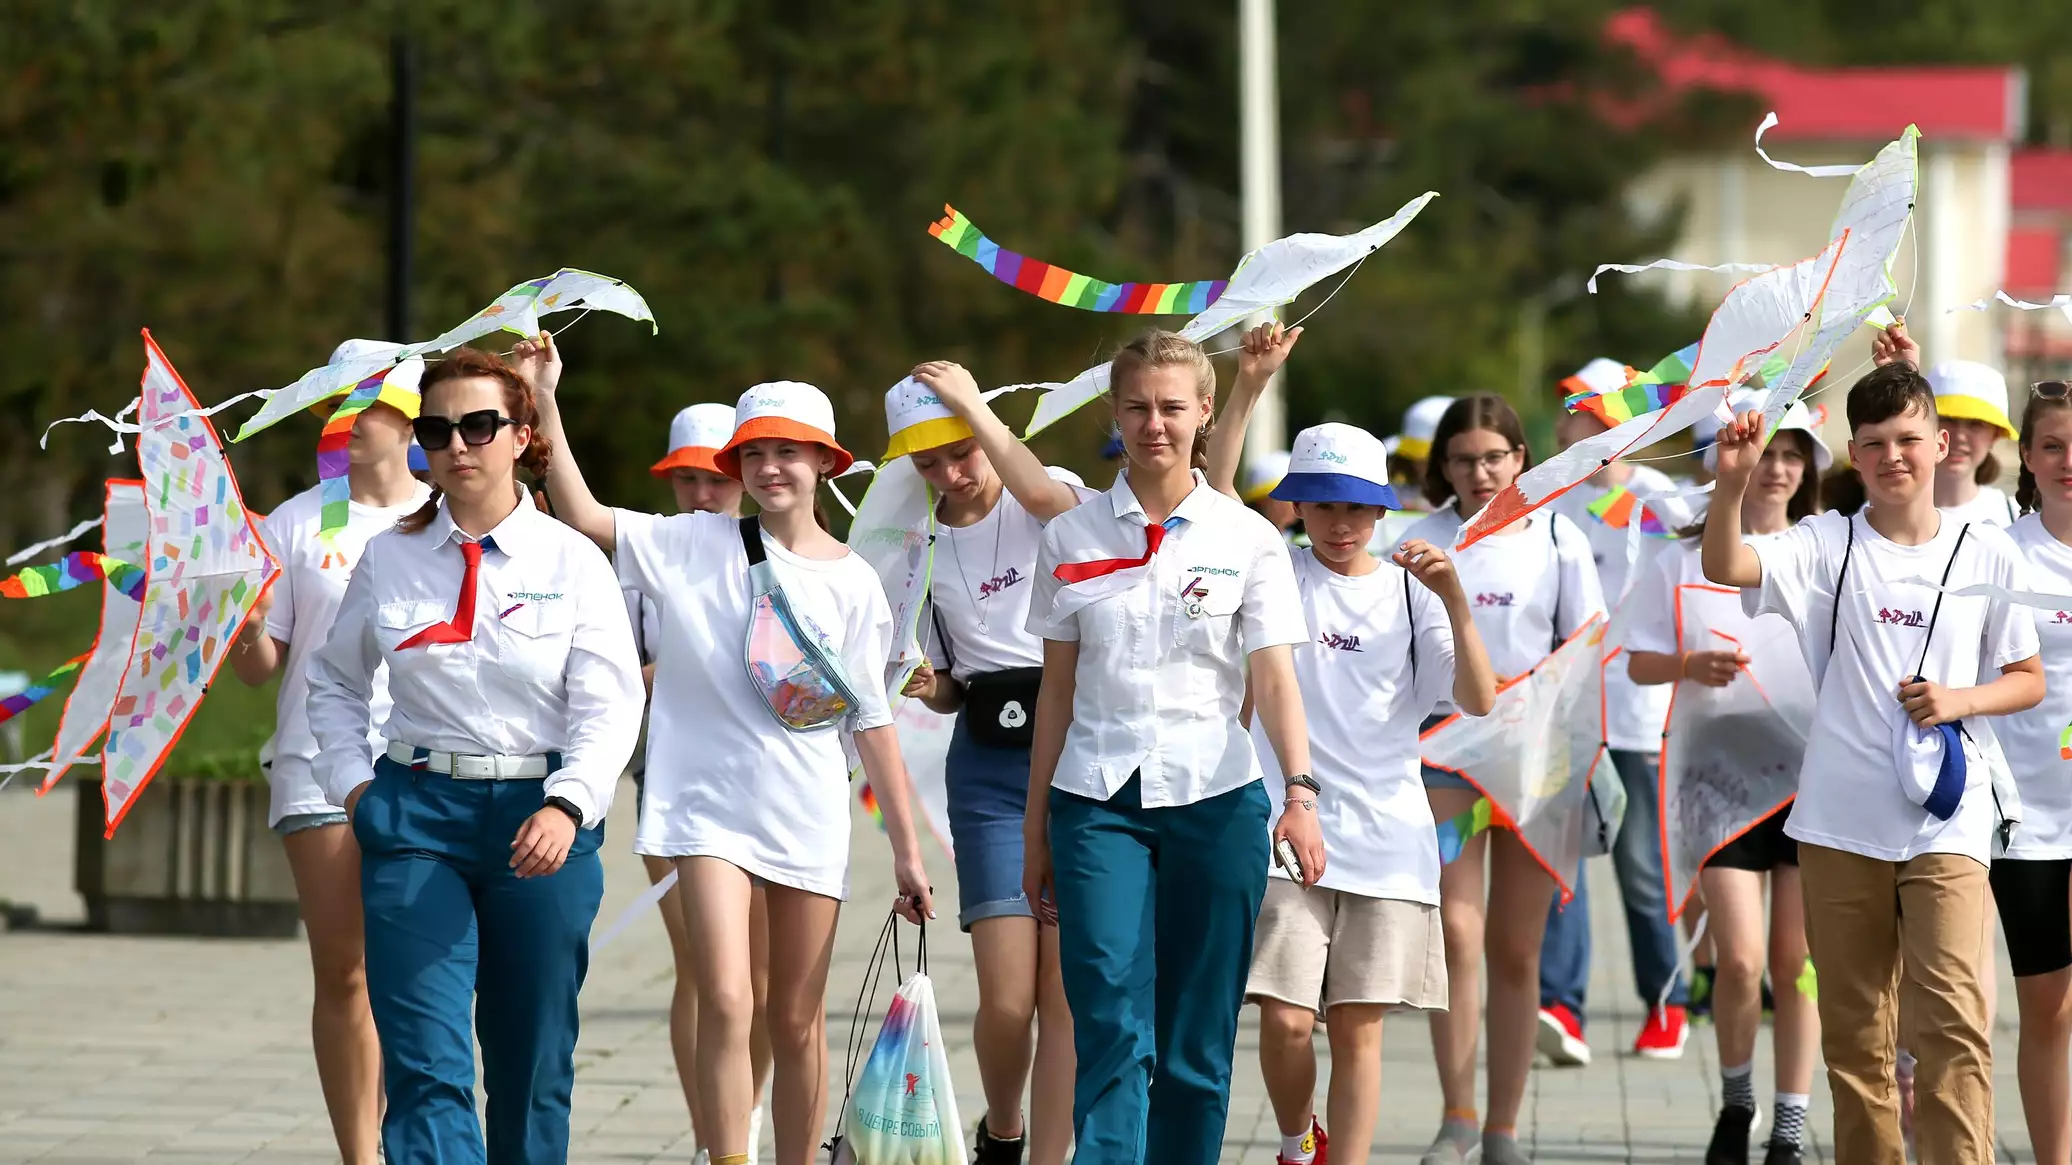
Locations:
297 822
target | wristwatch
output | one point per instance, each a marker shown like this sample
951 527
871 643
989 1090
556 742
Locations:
1304 781
569 807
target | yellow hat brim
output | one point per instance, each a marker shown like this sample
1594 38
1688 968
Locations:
1971 408
1413 448
926 435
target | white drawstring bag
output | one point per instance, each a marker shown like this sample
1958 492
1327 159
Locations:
902 1109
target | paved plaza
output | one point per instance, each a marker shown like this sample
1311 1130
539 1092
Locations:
119 1049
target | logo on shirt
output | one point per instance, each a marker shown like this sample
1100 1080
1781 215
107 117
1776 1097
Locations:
1898 618
1000 582
1225 571
1495 599
1341 642
534 596
2063 617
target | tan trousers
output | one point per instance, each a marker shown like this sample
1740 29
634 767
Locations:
1921 926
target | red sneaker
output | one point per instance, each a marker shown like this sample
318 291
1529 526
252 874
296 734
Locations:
1561 1037
1663 1036
1313 1143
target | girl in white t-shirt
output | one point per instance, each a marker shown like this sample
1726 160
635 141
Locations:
1785 488
993 498
292 620
2032 883
735 796
1532 584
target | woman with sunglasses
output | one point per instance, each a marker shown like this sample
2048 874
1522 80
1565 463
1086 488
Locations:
736 797
516 704
2032 883
291 621
993 499
695 437
1532 584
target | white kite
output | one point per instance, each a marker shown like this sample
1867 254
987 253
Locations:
1730 755
125 528
1265 279
1535 753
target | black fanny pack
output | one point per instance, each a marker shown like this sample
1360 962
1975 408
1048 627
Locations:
1000 706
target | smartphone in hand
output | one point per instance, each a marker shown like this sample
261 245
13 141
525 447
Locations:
1284 854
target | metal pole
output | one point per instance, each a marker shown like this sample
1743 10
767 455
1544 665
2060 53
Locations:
1260 173
402 184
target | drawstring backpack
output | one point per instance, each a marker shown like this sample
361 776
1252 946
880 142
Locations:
902 1110
799 677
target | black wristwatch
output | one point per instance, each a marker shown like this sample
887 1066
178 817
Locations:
1305 781
569 807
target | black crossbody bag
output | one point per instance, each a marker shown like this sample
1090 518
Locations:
999 706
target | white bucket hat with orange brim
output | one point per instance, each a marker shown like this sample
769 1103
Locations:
787 410
695 437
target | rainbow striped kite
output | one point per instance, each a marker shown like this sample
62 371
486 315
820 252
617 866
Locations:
29 697
1069 287
333 459
1647 392
1619 508
73 570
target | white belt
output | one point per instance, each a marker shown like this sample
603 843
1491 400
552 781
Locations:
462 767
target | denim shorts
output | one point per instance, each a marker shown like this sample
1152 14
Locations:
989 795
297 822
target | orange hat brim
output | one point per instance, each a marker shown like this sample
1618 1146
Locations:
688 457
728 459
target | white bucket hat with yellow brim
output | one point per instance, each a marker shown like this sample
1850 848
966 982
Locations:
1970 391
917 420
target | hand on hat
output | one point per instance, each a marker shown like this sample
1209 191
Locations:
1893 344
538 363
952 382
1266 348
1929 704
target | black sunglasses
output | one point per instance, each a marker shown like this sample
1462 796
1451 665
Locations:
2052 389
476 428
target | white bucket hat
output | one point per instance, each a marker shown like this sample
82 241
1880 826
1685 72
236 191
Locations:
695 436
789 410
1797 416
1338 463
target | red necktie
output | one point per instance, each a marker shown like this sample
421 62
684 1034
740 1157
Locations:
1079 572
462 627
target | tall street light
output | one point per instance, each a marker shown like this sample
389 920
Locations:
1259 139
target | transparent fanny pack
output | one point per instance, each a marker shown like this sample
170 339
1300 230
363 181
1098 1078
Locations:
800 679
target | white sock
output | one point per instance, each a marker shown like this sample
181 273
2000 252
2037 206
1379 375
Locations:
1299 1148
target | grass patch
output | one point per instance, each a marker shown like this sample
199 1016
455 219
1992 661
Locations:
221 742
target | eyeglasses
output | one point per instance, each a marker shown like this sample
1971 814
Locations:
2052 389
1490 461
476 428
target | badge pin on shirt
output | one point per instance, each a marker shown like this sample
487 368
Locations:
1191 596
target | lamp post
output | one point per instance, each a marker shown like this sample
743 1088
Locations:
1259 168
402 183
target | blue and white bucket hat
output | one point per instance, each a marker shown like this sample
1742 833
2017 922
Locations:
1338 463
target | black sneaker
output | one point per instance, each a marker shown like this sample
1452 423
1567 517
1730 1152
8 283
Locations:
1779 1153
988 1149
1730 1137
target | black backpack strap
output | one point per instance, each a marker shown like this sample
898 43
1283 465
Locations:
1554 551
1920 670
752 540
1834 614
1410 620
942 635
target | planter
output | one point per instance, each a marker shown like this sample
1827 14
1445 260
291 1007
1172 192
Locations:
192 857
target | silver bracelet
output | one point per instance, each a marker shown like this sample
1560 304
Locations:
1304 802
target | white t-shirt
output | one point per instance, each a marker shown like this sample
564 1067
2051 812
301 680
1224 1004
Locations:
724 778
1633 713
1530 590
1363 706
1849 793
980 589
1992 506
305 602
1652 625
2031 739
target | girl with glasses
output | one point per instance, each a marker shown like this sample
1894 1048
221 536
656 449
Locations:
737 797
292 620
1531 585
516 703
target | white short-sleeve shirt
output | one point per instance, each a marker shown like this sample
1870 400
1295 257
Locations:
1530 590
1163 647
1366 686
2033 740
724 778
1633 713
1849 793
306 595
1992 507
980 588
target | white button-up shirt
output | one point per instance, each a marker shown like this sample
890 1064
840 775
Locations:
551 667
1163 647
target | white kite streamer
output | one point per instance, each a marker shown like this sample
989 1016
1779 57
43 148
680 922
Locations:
27 553
1770 120
2035 599
2060 301
1675 265
647 900
118 426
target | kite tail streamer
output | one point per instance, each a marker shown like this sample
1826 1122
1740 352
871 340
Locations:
1620 509
74 570
869 797
1070 288
1808 982
2065 743
649 897
333 459
1454 835
36 692
29 552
